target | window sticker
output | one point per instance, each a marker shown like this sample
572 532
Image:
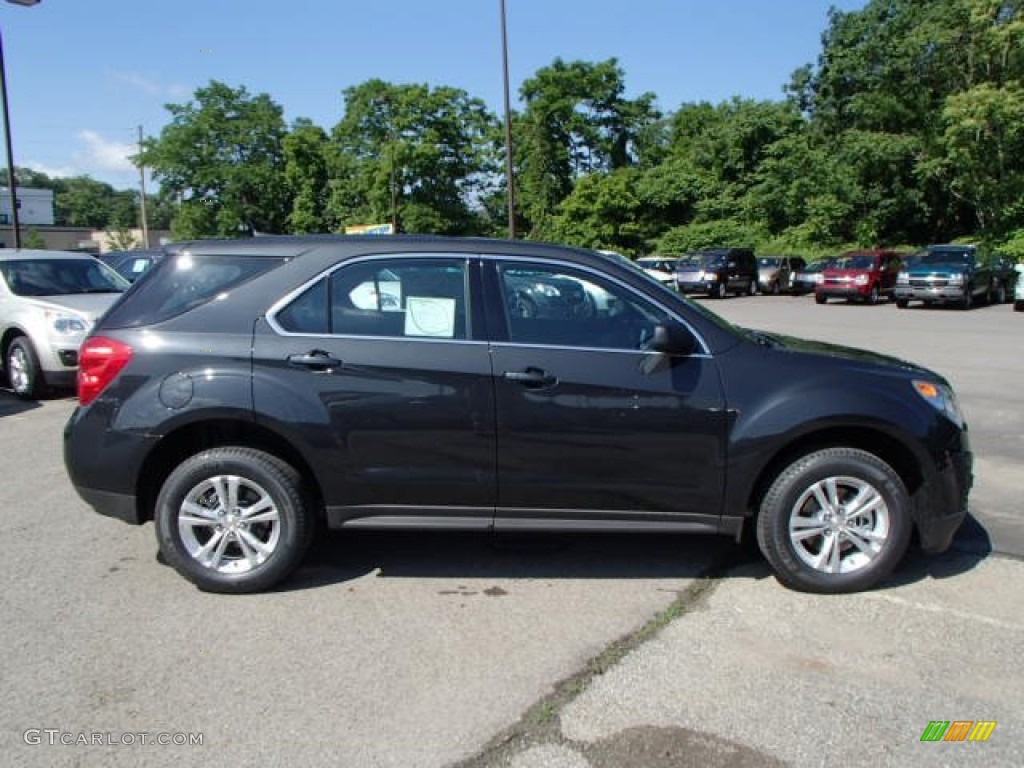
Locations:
429 316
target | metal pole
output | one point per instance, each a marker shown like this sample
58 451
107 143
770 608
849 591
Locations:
509 178
142 199
11 184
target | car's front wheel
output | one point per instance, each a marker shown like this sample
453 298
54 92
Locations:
23 370
234 520
718 292
836 520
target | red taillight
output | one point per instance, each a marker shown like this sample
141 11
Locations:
99 361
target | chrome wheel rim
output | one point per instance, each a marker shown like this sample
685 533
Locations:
839 525
229 524
17 370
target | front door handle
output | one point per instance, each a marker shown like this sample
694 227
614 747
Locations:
532 378
316 359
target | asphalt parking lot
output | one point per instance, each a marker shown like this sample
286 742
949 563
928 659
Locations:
429 650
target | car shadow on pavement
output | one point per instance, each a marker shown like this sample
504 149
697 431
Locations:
338 557
11 405
971 546
342 556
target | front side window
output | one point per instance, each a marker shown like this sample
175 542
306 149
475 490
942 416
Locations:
401 298
565 307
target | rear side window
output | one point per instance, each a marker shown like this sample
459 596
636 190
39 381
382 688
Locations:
183 282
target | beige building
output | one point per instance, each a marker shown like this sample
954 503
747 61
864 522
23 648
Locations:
79 238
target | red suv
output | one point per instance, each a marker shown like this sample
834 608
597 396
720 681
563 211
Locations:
861 275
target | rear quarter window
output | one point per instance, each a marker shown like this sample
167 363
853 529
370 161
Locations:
183 282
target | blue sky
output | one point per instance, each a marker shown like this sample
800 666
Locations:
83 74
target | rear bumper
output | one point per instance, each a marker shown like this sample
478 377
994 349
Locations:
117 505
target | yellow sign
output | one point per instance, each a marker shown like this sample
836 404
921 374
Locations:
369 229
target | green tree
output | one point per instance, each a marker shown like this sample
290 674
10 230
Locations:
222 154
576 122
84 202
421 154
306 175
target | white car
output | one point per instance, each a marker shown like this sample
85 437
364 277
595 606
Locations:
660 268
1018 293
49 301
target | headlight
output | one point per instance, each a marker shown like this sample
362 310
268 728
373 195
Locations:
957 278
818 278
903 277
861 280
65 323
942 398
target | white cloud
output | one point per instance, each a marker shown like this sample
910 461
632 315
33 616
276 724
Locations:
136 80
53 171
147 85
102 155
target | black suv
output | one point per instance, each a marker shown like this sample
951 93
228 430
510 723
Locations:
246 391
718 272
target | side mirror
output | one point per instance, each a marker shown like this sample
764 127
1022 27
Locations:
672 340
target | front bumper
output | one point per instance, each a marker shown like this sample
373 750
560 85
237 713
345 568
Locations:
940 506
945 293
842 291
703 286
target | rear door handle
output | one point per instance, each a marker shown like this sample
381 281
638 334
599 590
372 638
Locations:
316 359
532 378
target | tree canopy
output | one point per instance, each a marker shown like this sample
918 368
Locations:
907 129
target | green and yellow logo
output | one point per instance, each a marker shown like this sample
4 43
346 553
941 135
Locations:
958 730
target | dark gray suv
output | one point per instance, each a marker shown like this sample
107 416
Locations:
245 392
718 272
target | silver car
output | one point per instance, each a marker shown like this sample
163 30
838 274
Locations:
49 301
1018 293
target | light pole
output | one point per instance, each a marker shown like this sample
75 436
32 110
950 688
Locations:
7 135
509 180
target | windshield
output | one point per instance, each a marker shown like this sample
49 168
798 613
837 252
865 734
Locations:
769 261
707 259
60 277
859 261
955 258
665 265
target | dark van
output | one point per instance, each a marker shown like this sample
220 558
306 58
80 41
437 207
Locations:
717 272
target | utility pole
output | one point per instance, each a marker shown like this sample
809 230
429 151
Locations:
142 196
509 180
11 181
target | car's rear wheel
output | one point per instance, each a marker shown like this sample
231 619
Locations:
836 520
718 292
997 296
968 298
902 303
23 371
234 520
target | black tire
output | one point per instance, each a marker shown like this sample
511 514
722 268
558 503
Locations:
24 374
968 300
776 288
752 288
258 473
790 497
873 295
718 292
1018 306
902 303
998 296
820 298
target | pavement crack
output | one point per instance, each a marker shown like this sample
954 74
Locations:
540 724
